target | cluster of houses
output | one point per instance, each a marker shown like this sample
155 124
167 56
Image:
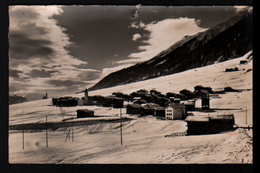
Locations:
108 101
169 106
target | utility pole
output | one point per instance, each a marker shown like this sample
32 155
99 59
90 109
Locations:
46 133
246 115
23 138
72 133
121 127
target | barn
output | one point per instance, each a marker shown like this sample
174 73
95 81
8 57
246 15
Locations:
197 125
81 113
175 111
220 123
209 124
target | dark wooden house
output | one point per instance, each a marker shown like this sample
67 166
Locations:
220 123
159 112
118 102
187 94
81 113
139 101
55 101
190 105
170 94
107 102
197 125
73 101
98 99
133 108
163 101
209 124
148 109
200 88
148 98
153 91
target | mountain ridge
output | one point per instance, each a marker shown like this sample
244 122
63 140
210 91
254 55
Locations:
228 40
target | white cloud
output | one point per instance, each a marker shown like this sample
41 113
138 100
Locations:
165 33
107 71
137 25
242 8
136 36
38 43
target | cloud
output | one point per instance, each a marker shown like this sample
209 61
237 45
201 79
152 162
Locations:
63 83
107 71
163 34
38 55
41 73
137 25
136 36
14 73
242 8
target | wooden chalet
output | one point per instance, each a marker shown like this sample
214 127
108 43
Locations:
81 113
133 108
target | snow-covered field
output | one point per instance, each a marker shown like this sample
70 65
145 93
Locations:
144 138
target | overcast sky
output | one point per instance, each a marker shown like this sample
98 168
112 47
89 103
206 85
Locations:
64 49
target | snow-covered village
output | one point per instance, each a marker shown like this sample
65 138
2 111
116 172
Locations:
153 113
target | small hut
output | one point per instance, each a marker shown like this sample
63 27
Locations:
175 111
81 113
197 125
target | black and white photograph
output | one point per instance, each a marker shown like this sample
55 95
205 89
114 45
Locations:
130 84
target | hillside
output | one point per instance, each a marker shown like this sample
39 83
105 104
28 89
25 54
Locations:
16 99
228 40
144 138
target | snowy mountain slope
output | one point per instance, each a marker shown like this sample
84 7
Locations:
144 138
230 39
